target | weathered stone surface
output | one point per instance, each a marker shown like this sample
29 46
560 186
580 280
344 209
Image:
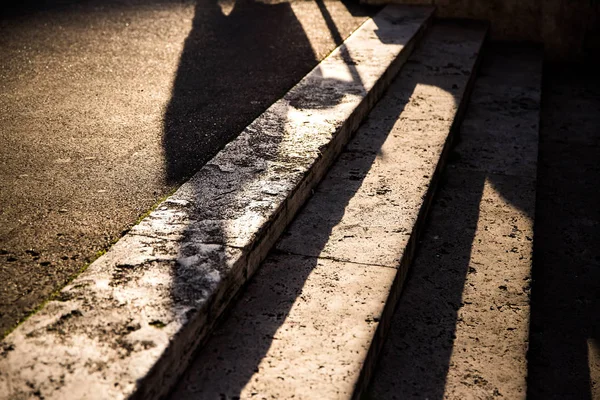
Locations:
126 327
461 329
311 322
385 172
108 328
297 333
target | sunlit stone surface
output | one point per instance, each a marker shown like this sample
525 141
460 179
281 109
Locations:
128 324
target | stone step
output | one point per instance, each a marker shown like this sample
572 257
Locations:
127 326
311 322
461 328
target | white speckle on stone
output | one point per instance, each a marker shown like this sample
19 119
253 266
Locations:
102 284
183 203
213 276
188 261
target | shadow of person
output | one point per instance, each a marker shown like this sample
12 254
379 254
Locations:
238 346
232 67
237 351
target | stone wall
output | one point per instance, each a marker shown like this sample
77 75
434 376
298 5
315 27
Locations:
568 28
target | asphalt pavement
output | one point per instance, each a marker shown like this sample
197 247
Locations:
107 106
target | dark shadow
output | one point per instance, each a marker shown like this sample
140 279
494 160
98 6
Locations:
232 67
25 8
564 354
416 359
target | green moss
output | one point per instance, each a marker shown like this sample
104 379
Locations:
56 294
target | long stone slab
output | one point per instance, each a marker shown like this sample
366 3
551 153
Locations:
461 328
126 327
312 320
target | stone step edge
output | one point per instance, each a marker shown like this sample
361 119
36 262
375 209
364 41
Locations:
409 254
296 338
103 336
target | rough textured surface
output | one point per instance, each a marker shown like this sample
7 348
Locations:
127 326
461 327
285 338
568 28
106 106
393 173
564 355
310 323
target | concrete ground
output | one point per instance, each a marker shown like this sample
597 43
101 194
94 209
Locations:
105 107
564 352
